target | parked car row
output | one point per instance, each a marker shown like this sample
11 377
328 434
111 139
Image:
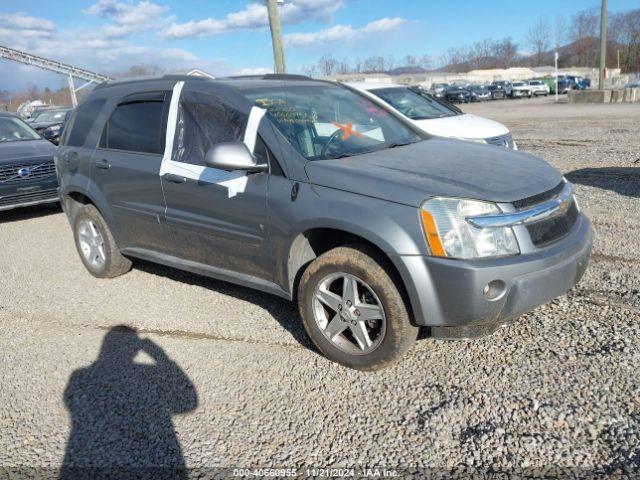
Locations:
501 89
342 197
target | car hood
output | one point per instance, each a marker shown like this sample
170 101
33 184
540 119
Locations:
26 150
465 126
438 167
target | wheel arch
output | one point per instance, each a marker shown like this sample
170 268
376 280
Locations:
74 199
313 242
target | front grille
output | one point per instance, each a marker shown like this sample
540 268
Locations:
28 197
9 173
501 141
548 231
539 198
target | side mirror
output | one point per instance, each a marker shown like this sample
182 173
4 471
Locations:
233 156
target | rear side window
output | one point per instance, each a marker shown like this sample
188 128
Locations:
81 123
136 127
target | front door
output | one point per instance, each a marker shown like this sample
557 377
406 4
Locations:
215 217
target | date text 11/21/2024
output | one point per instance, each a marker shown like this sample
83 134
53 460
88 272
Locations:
316 472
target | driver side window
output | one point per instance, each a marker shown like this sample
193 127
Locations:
204 120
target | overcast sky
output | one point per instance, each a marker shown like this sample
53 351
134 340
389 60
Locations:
231 36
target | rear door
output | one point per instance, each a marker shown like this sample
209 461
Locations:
73 158
126 168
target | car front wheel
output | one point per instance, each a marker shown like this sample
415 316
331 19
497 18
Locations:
352 309
96 245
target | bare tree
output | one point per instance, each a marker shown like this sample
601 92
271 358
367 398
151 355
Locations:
410 61
539 38
584 35
453 59
559 32
327 65
389 63
140 70
374 64
625 33
505 52
357 66
426 62
480 54
343 67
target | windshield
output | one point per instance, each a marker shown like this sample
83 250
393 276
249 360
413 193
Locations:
518 84
412 104
15 130
323 121
54 116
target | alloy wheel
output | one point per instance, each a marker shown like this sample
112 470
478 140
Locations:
349 313
91 244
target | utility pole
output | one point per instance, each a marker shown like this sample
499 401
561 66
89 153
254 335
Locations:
276 35
603 44
556 56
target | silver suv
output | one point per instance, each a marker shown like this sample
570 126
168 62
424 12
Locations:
308 190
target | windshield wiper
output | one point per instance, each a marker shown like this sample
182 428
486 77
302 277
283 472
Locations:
342 155
398 144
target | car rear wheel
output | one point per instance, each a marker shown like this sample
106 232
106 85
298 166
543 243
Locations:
96 245
352 309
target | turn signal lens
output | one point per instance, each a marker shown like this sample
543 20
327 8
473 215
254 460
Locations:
433 238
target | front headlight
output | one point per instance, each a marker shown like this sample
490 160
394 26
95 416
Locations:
449 234
52 130
476 140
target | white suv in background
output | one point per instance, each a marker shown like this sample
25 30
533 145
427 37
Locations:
435 116
539 88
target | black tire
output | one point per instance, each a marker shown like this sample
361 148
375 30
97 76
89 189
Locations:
365 263
115 263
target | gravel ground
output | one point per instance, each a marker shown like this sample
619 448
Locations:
221 376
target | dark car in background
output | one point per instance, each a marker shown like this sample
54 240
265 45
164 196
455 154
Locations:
437 89
48 123
457 94
27 170
500 89
479 93
578 83
38 110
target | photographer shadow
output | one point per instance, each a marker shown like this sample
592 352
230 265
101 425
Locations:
622 180
121 413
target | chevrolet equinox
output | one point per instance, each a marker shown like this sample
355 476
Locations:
309 190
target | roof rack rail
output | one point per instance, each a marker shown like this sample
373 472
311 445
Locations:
269 76
183 76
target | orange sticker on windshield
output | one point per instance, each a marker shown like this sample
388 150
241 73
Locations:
348 131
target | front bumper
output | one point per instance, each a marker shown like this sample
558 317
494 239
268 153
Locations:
450 293
27 193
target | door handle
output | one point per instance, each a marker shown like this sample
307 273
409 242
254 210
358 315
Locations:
103 164
170 177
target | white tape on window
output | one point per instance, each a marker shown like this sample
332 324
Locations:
172 120
235 182
251 133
